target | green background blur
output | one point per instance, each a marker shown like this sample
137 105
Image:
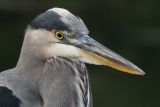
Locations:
128 27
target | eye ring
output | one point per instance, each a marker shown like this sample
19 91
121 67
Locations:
59 35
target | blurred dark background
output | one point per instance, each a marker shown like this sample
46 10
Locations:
129 27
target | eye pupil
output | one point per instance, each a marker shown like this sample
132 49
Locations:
59 35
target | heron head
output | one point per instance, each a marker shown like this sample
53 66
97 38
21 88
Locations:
59 33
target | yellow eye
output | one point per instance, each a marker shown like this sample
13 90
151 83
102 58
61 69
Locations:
59 36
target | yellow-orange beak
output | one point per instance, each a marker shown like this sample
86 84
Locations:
94 51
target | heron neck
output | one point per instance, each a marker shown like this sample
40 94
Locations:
30 64
67 81
59 80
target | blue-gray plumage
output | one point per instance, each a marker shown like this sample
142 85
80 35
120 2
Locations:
7 98
51 69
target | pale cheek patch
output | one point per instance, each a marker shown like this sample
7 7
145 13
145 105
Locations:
62 50
68 51
41 36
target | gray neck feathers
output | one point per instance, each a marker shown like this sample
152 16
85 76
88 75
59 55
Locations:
59 81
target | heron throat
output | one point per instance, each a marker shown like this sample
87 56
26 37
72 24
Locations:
69 81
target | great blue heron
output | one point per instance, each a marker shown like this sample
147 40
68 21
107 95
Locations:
51 70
